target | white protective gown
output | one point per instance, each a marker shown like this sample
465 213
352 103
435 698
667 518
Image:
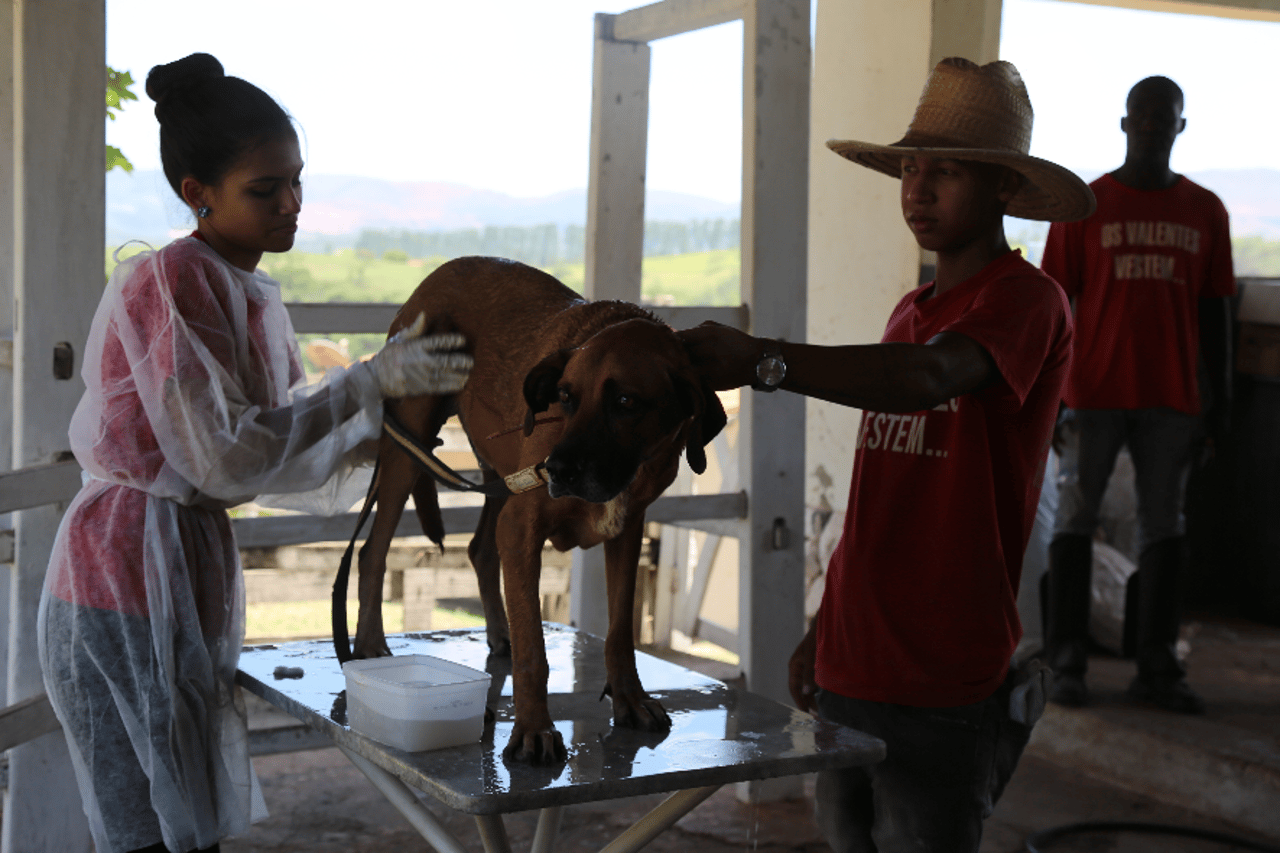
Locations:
189 409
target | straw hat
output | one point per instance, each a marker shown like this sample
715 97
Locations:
983 113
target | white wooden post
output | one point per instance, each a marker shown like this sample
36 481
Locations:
774 233
775 209
55 267
615 235
7 303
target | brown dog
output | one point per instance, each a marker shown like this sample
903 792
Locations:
622 403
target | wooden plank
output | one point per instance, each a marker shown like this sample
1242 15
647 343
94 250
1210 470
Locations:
351 318
39 485
673 17
275 531
26 720
715 633
688 620
670 509
688 316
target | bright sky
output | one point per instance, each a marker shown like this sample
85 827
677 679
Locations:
497 93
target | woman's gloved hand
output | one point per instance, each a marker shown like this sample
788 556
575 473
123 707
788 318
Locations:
410 364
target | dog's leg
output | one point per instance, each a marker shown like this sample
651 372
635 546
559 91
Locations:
632 706
534 740
396 477
483 552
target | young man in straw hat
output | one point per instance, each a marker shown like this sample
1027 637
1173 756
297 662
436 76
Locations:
918 622
1149 274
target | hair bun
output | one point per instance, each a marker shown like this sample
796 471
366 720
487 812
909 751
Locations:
181 73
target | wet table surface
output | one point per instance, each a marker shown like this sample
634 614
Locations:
718 734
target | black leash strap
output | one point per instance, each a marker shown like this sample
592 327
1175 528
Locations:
521 481
341 637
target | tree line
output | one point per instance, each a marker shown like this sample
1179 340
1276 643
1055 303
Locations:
545 245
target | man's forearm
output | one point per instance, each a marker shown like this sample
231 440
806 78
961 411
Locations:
889 377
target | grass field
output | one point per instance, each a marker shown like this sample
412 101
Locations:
296 620
699 278
348 275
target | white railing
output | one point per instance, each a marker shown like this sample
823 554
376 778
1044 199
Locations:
58 482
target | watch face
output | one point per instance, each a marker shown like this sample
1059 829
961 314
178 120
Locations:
771 370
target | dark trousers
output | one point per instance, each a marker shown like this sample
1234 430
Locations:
943 773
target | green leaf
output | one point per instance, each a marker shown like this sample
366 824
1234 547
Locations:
118 83
116 158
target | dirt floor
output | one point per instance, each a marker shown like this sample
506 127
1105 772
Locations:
321 804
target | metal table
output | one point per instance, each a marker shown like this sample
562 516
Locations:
718 735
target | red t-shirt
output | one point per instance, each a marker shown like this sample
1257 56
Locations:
1136 269
920 601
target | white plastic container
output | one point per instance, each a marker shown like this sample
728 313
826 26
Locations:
415 702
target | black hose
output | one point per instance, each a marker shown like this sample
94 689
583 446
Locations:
1047 836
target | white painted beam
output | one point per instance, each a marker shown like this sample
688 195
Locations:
775 159
1249 10
615 235
619 141
775 209
672 17
57 51
39 485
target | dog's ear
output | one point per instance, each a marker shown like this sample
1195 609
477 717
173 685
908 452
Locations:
698 400
540 386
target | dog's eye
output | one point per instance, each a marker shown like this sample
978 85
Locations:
565 397
626 401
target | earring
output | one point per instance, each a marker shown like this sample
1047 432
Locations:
203 211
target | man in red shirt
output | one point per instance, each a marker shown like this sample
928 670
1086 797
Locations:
918 622
1149 275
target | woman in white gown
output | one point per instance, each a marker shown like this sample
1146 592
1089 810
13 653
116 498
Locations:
192 405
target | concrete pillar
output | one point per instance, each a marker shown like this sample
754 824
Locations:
53 258
871 60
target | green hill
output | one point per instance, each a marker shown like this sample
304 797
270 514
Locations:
353 275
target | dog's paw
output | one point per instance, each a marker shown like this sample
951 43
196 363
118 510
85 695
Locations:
638 711
366 648
542 747
499 644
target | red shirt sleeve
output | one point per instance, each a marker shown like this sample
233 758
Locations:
1020 321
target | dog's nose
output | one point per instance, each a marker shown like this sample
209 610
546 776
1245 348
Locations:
563 471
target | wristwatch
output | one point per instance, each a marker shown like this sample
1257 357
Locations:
771 369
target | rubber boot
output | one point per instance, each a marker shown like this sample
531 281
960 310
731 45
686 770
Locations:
1065 594
1161 679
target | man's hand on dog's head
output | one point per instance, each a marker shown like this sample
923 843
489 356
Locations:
725 357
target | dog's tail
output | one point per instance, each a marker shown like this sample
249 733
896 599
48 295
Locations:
426 503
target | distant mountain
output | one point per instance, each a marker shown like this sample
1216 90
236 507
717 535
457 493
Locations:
142 206
1252 197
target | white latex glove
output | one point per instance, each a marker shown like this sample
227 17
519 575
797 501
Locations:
410 364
